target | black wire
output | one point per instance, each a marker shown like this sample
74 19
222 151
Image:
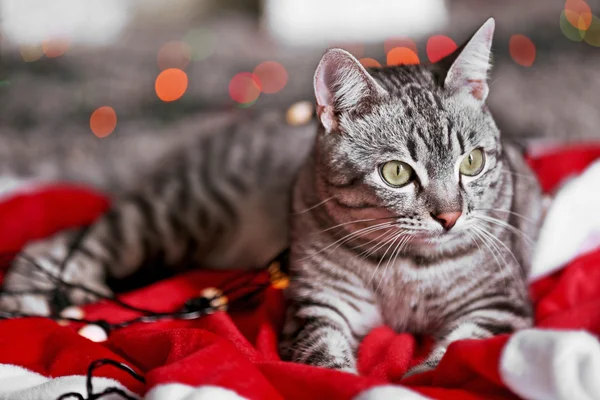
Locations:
107 361
89 386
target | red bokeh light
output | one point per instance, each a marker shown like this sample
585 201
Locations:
402 56
579 14
522 50
272 76
55 47
244 87
171 84
440 46
103 121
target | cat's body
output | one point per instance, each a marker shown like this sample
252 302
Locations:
447 259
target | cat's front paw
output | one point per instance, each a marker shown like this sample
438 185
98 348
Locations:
31 283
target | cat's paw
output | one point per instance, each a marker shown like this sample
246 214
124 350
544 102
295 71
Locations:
30 283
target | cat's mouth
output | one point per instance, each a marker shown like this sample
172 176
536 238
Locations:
437 237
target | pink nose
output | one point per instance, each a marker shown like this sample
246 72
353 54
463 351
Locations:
447 219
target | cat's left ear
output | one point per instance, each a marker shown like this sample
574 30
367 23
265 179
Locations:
343 85
469 71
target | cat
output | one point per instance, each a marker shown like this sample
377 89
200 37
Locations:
406 209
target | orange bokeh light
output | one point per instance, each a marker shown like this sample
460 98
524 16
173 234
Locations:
272 76
244 87
103 121
392 43
55 47
579 14
402 56
440 46
522 50
174 55
370 63
171 84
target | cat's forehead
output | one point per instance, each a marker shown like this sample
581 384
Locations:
422 123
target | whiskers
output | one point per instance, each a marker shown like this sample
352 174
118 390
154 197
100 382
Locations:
315 206
492 243
506 225
355 235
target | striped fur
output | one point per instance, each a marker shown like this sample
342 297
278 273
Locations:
371 254
362 253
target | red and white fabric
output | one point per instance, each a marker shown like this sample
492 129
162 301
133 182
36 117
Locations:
234 355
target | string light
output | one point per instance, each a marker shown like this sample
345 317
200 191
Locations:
243 289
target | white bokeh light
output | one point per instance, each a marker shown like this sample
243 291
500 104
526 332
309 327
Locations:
26 22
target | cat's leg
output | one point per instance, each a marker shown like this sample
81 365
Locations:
480 324
326 322
136 228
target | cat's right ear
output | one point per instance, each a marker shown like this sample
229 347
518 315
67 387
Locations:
342 85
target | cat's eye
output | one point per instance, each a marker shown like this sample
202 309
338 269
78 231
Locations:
473 163
397 173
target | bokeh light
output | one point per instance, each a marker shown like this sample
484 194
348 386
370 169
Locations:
300 113
370 63
592 35
171 84
440 46
392 43
356 49
402 56
272 76
578 13
522 50
103 121
202 43
570 32
55 47
174 55
244 88
31 53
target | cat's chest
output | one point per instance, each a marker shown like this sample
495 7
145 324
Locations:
409 298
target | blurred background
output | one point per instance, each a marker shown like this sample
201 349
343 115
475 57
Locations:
113 75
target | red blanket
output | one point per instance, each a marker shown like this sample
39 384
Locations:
237 351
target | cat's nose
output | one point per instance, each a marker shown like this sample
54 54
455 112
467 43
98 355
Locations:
447 219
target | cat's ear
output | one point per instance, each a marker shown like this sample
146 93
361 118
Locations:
342 84
469 71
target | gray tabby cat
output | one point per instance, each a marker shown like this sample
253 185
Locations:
407 211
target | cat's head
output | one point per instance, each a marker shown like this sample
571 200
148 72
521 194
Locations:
414 141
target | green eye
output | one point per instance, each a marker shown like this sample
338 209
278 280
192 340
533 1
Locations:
473 163
396 173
